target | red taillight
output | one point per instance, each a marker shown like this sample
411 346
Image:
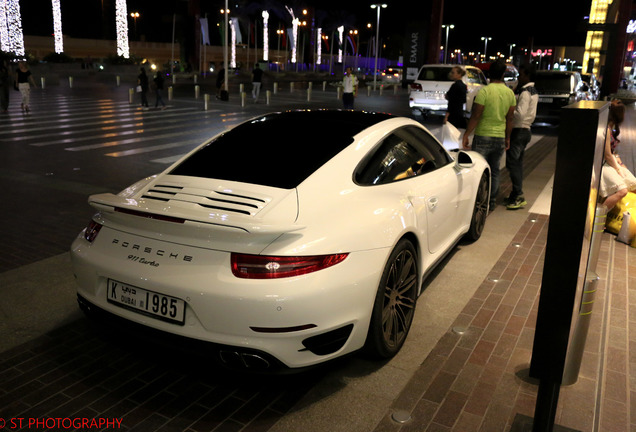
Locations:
269 267
91 231
416 87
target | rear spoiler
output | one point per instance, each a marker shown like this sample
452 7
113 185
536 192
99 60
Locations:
110 203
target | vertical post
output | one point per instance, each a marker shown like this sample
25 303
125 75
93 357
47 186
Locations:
131 95
118 79
196 91
309 88
42 82
206 101
70 82
268 95
170 92
576 180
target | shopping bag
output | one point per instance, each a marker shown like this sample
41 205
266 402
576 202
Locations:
628 228
615 216
450 136
139 89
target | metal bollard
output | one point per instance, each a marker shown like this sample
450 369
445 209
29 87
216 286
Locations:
291 87
42 82
196 78
242 99
206 101
268 96
131 95
70 82
197 89
174 79
395 89
309 89
369 91
118 79
170 91
339 93
324 86
381 89
241 88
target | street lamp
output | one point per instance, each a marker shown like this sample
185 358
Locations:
377 6
447 27
134 16
486 39
511 46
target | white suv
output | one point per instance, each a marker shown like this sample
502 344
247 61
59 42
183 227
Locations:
428 91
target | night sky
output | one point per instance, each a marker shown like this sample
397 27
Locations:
547 22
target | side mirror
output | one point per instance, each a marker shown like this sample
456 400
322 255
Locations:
464 160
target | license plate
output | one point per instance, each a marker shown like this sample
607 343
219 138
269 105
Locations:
150 303
546 100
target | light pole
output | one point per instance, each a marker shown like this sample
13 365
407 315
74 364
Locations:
134 16
377 6
486 39
447 27
511 47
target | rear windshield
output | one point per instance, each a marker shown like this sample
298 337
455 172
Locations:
552 83
434 74
279 150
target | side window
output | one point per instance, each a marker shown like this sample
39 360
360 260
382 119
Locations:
407 152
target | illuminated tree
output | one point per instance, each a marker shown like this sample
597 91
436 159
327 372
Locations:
121 21
4 27
57 27
11 38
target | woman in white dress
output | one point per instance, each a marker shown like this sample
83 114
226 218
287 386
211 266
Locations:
616 179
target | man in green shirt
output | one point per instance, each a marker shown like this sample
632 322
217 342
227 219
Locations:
491 120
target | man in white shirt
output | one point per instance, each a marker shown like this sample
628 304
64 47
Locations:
350 89
525 112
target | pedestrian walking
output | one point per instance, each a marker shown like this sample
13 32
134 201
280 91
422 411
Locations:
491 120
525 113
142 82
6 82
257 79
456 97
221 93
350 89
158 80
24 80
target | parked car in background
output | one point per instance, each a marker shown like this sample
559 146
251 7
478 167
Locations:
428 91
556 90
511 76
594 91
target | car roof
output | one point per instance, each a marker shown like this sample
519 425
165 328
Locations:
279 149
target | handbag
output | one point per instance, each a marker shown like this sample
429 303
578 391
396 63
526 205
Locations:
138 89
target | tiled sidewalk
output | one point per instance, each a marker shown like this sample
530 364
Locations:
477 380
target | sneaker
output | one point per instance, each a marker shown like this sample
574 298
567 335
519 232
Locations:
520 202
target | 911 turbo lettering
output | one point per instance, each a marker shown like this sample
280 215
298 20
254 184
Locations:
150 251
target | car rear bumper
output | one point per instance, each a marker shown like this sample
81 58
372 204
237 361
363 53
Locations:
292 320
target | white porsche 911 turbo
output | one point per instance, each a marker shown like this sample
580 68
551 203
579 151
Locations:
291 239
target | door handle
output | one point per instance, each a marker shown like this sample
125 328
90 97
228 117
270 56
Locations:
432 203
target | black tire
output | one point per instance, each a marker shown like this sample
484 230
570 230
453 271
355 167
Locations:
480 211
395 301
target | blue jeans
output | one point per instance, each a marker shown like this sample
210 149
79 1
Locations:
492 149
514 159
